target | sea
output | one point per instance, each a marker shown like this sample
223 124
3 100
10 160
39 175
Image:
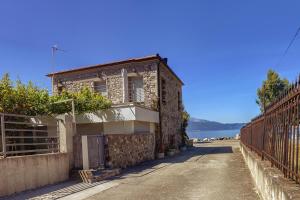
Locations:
212 134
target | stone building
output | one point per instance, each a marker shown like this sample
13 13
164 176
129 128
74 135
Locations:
147 103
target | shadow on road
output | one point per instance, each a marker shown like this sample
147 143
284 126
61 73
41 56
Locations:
214 150
151 166
145 168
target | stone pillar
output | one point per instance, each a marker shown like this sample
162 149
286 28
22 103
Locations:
66 133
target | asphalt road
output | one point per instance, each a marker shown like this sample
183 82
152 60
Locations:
213 171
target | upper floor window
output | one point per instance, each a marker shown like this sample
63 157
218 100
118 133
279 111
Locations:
100 87
135 89
163 92
179 101
60 89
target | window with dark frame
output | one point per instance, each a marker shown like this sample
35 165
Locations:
100 87
60 89
179 101
163 92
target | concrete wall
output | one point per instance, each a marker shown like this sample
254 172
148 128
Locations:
141 127
128 127
125 127
269 181
22 173
124 112
90 129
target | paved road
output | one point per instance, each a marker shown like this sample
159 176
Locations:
213 171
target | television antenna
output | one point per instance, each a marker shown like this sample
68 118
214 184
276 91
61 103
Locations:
54 49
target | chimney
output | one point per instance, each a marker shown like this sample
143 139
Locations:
165 60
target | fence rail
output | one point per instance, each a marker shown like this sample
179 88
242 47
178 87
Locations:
274 135
23 135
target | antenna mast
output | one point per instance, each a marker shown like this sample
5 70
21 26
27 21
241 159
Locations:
54 48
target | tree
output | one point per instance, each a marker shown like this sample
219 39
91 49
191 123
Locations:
185 121
7 100
270 89
28 99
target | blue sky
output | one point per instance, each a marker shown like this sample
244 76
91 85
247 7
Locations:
221 49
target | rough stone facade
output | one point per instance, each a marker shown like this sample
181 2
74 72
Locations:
130 149
171 112
74 81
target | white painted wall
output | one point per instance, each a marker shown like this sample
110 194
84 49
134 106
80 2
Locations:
141 127
128 127
128 112
124 127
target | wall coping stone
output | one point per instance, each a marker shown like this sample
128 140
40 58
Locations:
270 181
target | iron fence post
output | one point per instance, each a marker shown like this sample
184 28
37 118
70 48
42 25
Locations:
3 136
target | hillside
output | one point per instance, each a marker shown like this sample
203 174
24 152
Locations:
205 125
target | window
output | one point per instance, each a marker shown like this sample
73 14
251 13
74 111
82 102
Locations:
163 92
179 101
135 89
60 89
100 87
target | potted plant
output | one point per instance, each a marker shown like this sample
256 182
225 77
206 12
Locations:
183 148
161 151
171 151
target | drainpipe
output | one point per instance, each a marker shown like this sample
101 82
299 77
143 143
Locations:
159 102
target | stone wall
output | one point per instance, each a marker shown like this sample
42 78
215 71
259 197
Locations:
171 117
74 81
130 149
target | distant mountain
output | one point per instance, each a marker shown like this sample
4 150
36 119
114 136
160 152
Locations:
205 125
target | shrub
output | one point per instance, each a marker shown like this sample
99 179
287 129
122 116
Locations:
28 99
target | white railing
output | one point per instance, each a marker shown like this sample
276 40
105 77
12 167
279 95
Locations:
24 135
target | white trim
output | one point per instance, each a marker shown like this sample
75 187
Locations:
85 153
124 85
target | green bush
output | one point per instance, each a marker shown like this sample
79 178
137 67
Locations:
28 99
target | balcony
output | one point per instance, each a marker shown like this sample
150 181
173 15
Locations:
118 113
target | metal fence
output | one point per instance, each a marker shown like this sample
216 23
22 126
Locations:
25 135
274 135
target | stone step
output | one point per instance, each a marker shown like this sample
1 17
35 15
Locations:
91 175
